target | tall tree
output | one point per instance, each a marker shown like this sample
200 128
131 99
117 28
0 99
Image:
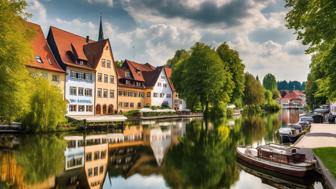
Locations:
314 23
203 77
119 63
269 82
180 56
253 92
231 58
15 50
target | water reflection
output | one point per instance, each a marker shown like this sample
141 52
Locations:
174 154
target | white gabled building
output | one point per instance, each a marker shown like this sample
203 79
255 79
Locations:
161 93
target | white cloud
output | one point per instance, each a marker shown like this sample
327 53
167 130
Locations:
36 8
104 2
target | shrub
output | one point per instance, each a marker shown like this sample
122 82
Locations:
272 107
252 109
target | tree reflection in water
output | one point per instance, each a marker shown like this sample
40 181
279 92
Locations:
204 158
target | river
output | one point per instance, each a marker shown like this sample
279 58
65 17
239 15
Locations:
186 153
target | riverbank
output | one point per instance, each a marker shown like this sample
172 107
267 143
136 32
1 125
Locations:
159 117
320 138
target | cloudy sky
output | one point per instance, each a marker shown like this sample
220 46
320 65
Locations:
152 30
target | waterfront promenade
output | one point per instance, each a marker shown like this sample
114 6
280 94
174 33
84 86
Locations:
320 135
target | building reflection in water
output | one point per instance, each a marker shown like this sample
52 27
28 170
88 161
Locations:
92 159
289 116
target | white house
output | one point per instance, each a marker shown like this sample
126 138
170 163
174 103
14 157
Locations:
161 93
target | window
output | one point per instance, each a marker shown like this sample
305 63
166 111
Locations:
72 74
88 77
105 78
105 94
81 76
95 171
127 74
103 63
99 93
139 105
148 94
80 91
163 77
162 95
39 59
81 108
159 84
101 169
111 93
125 93
102 154
120 93
88 92
90 172
155 95
129 93
89 108
49 61
99 77
126 104
111 79
127 82
88 156
96 155
132 105
168 96
108 63
165 85
81 62
55 78
72 108
73 90
135 94
120 104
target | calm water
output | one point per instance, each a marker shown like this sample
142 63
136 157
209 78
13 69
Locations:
176 154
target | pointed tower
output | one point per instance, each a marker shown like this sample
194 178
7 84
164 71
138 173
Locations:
101 34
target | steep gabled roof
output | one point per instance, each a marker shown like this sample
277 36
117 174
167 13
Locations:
152 76
66 43
94 51
41 49
168 72
137 69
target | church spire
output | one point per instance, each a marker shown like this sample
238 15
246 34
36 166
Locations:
101 34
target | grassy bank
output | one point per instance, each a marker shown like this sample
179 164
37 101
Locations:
328 156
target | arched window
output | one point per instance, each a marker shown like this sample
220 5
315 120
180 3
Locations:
104 109
110 109
98 109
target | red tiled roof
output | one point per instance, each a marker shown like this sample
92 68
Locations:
169 73
41 49
121 73
137 69
67 42
293 95
94 51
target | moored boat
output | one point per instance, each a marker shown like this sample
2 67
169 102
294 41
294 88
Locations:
280 159
289 134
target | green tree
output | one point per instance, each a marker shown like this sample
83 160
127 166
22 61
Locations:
269 82
203 77
314 24
15 51
47 107
119 63
180 56
236 67
253 92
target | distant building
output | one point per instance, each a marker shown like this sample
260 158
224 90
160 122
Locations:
178 103
44 63
293 98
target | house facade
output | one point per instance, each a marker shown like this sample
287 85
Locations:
131 86
178 103
79 88
44 63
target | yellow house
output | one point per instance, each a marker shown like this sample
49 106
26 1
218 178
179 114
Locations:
106 77
132 91
44 63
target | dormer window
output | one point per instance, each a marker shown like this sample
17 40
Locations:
49 61
137 71
81 62
127 74
39 59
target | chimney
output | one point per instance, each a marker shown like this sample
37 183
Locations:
87 39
